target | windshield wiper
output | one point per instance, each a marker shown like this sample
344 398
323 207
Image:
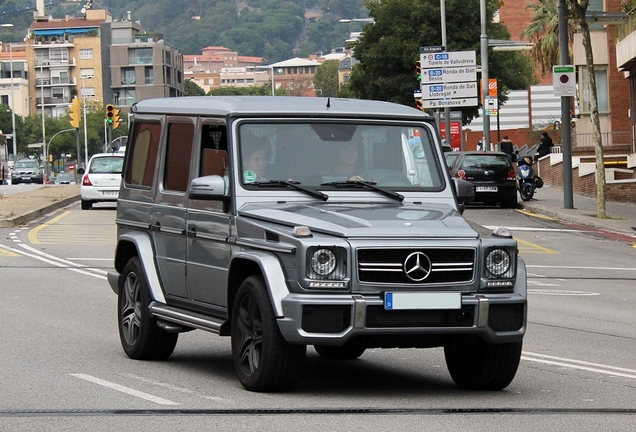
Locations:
368 184
293 184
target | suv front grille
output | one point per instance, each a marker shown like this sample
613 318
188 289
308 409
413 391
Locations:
438 266
378 317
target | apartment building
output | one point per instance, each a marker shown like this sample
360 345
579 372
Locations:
14 85
101 60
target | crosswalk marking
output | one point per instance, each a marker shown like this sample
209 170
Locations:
76 228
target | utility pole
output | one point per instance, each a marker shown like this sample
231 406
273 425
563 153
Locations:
484 73
447 122
566 128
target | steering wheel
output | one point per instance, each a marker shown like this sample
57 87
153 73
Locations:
386 177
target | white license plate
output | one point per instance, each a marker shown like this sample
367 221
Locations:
486 189
431 300
110 193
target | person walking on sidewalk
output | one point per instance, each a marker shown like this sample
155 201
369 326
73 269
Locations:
506 146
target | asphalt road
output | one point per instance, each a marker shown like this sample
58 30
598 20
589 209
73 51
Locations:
62 367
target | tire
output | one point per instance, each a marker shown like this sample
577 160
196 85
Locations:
140 336
86 205
527 192
263 360
482 366
346 352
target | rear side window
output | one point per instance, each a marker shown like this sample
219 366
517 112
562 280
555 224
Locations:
143 154
178 153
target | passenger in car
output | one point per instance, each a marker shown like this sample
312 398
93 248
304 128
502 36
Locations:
255 159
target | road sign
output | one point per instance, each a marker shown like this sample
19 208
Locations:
449 75
563 80
448 59
446 91
431 49
443 103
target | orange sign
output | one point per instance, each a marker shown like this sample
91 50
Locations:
492 88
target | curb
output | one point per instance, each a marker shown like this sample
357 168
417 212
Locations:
589 221
27 217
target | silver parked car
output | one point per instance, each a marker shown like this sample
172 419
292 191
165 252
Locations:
283 222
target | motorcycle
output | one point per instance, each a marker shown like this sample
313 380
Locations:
527 180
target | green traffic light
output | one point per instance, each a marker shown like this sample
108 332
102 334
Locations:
109 121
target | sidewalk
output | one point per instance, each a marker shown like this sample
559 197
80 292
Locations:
549 201
20 208
24 206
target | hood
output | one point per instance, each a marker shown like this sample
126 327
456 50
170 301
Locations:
390 220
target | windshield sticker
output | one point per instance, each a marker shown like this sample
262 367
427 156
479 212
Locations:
249 176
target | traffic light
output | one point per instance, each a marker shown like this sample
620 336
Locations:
112 116
74 112
51 158
418 70
419 104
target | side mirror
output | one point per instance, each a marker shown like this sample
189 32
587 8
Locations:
80 171
464 189
210 187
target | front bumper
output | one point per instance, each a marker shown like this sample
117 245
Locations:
338 319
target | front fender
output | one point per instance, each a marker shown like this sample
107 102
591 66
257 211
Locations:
138 244
273 275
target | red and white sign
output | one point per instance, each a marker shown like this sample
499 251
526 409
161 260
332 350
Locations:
456 130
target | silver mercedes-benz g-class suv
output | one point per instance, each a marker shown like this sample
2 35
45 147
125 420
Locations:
284 222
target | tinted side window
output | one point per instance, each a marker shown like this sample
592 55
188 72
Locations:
143 154
178 152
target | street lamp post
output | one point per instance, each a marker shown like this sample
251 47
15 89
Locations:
484 73
83 97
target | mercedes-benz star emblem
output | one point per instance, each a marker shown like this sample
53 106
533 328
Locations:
417 266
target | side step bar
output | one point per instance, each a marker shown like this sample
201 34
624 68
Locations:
187 319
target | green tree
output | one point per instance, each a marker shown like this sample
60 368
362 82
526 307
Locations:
191 88
387 50
326 78
543 31
262 90
579 8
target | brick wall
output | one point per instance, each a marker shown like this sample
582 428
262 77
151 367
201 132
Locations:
586 185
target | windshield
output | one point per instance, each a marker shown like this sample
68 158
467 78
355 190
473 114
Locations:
27 164
320 154
107 165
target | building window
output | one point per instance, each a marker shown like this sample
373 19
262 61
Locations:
250 80
87 73
86 53
149 75
602 89
140 56
88 92
128 76
345 78
4 99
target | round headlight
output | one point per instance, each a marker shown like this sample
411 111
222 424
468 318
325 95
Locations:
498 262
323 262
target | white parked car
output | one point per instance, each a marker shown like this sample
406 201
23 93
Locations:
101 180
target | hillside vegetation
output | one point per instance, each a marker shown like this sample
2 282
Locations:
273 29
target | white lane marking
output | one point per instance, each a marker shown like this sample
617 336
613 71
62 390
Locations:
90 259
581 267
574 364
175 388
49 259
127 390
561 292
535 229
